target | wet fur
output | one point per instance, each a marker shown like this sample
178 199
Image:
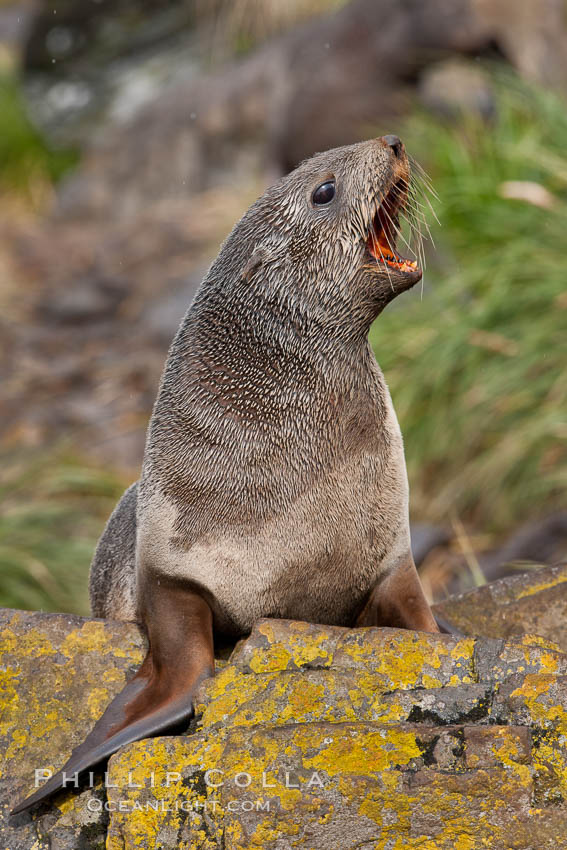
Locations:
274 458
273 481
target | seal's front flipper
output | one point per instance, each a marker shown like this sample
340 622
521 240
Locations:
161 694
398 600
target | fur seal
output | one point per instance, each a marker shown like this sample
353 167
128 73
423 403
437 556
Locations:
273 480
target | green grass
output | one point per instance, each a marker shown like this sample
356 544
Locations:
26 159
478 368
53 510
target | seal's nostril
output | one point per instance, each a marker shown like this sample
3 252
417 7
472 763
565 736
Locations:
395 143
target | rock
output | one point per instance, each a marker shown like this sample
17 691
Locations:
310 736
15 18
113 308
315 737
88 63
57 673
530 546
531 35
274 106
327 82
534 601
357 785
162 317
75 31
454 88
541 541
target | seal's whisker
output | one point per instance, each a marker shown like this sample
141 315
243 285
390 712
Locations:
415 203
430 205
421 222
386 234
414 193
398 230
414 217
423 177
387 267
407 199
420 242
409 214
427 185
417 239
421 186
419 190
418 210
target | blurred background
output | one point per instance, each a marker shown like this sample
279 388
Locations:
134 134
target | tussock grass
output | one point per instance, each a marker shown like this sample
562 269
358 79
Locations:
478 367
53 510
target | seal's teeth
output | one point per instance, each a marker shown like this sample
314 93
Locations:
383 230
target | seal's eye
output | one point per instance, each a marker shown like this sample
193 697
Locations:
324 193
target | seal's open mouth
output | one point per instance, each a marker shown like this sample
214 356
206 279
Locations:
384 229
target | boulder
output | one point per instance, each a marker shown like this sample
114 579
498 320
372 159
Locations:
534 601
376 738
57 673
310 736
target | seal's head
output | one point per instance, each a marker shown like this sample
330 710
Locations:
321 243
355 196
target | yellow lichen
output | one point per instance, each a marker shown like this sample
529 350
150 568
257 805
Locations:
32 642
275 657
537 640
97 701
351 750
538 586
93 636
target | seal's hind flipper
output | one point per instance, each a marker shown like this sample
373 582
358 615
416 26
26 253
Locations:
161 694
398 600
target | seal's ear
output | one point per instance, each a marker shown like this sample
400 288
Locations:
180 655
255 261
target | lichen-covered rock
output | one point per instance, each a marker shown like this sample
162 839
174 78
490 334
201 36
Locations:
321 785
534 601
57 673
309 737
313 737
